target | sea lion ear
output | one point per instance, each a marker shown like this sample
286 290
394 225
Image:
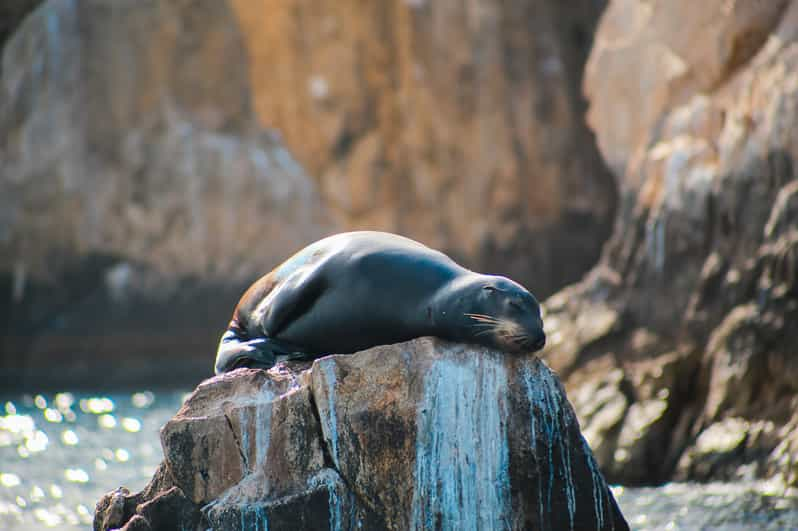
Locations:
489 288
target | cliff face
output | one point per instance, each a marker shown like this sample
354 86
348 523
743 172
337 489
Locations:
459 125
141 190
683 338
138 196
419 435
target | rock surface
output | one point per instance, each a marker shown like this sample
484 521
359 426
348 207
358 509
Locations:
419 435
679 348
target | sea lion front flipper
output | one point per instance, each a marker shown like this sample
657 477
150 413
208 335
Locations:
291 299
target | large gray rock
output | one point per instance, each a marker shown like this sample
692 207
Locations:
419 435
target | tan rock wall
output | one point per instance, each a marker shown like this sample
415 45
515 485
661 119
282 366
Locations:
458 124
137 194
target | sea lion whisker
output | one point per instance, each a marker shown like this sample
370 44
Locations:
486 321
482 317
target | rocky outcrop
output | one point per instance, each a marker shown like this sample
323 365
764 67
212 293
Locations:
418 435
679 347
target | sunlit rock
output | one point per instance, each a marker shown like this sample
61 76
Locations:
419 435
414 115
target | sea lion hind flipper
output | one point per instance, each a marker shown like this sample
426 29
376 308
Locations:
258 353
234 353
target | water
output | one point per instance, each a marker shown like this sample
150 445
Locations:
743 506
60 452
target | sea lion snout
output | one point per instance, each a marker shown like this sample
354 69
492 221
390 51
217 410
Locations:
536 334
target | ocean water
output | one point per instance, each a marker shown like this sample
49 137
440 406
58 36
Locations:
60 452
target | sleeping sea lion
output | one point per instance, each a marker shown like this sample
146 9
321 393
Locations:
356 290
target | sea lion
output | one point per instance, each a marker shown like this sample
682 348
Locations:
356 290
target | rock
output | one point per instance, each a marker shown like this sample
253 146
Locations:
136 191
11 14
161 505
673 58
419 435
417 115
696 290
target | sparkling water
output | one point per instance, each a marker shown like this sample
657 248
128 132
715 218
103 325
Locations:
60 452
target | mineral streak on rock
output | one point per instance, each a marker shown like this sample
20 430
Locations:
462 479
329 422
255 420
551 421
253 519
420 435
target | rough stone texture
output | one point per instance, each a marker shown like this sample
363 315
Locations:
138 196
419 435
680 346
457 124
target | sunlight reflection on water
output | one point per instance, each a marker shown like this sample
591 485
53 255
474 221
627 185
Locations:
60 452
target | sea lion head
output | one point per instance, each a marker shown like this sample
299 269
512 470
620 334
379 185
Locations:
499 313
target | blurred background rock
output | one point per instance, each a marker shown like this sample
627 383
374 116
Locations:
159 156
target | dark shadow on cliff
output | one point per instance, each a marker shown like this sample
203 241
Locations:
83 331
